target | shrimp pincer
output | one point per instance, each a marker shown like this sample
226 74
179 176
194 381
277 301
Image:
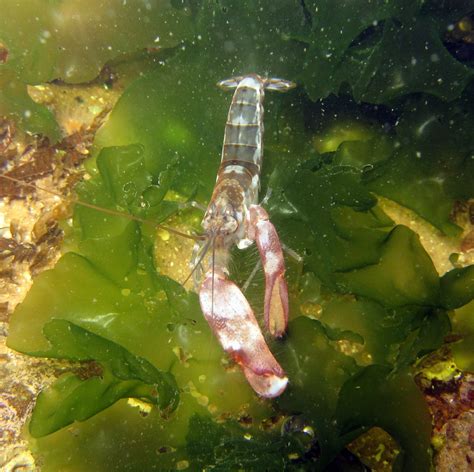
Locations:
235 217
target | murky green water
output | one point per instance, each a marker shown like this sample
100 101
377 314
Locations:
383 108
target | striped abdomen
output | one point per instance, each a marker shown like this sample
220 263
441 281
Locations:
243 144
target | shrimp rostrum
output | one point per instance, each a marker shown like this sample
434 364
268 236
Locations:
235 217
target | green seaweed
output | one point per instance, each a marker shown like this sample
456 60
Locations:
16 104
369 399
72 41
352 246
463 326
381 303
435 167
382 50
318 372
457 287
123 375
230 446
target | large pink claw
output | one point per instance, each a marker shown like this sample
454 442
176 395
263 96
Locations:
276 290
231 318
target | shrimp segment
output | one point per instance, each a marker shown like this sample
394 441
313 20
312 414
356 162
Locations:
234 217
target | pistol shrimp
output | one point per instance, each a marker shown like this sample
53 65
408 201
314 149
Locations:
235 217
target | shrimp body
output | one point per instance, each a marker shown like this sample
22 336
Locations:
234 217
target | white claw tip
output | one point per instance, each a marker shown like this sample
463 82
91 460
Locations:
267 386
276 386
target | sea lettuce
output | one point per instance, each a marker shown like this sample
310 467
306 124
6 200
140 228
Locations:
366 299
463 326
73 40
27 114
382 50
457 287
430 166
369 398
231 446
124 375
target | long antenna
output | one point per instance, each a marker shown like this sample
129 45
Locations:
212 282
102 209
201 257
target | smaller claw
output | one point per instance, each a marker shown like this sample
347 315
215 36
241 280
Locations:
233 322
276 291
